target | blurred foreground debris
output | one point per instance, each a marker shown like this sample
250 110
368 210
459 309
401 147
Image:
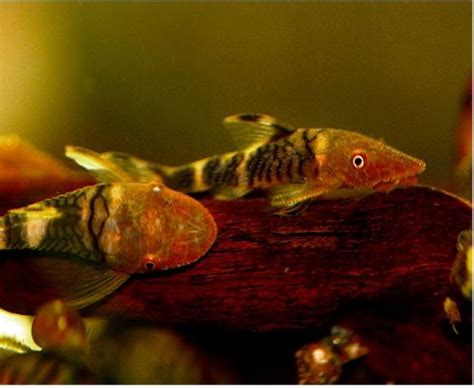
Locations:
458 305
322 362
108 352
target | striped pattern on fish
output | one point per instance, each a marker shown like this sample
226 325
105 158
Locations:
70 223
288 160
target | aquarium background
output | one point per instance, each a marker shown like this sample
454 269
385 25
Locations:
156 79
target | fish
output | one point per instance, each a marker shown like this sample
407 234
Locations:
291 165
106 232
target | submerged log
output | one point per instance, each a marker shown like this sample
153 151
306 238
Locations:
266 272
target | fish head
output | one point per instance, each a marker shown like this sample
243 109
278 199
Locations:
352 160
168 230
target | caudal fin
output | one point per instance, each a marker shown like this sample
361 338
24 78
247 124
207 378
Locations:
182 178
141 170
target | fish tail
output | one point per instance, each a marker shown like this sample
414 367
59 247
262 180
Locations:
37 225
184 178
164 171
214 173
12 235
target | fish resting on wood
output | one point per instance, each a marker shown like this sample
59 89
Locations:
292 165
109 231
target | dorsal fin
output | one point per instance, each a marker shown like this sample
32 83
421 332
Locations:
101 169
250 129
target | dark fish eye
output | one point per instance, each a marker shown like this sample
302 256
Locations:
358 160
149 265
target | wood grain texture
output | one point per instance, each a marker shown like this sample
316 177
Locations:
265 272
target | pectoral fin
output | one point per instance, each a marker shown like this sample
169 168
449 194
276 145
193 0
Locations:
290 195
78 284
101 169
250 129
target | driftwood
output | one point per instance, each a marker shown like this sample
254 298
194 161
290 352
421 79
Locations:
265 272
379 265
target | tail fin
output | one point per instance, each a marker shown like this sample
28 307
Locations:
139 169
180 178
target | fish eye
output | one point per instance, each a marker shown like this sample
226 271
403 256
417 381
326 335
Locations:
358 160
149 265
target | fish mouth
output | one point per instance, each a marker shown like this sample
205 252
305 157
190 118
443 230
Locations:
409 180
409 177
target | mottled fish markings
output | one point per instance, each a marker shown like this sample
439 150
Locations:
71 223
108 231
291 164
219 172
182 179
284 161
211 167
98 215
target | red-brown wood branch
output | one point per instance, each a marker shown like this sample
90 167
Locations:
268 272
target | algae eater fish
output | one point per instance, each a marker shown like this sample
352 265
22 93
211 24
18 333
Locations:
118 228
292 165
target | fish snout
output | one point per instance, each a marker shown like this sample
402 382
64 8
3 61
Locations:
413 168
418 166
400 170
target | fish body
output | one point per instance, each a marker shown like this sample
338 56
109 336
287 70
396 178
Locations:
110 231
292 165
130 227
290 159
